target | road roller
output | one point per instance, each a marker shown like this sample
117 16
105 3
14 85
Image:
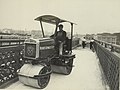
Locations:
43 56
36 71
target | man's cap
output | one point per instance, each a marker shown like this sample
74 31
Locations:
60 25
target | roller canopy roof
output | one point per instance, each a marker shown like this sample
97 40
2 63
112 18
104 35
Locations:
51 19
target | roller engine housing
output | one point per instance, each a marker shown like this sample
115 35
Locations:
39 48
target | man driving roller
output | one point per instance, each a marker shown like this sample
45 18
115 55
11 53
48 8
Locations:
60 39
61 34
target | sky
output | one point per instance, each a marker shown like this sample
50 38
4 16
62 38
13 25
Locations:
91 16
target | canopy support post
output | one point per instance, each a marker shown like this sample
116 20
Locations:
71 34
56 30
42 28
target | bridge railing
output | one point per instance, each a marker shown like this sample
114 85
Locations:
11 42
109 62
11 59
75 42
111 47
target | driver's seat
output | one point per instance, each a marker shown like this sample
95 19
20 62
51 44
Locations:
65 48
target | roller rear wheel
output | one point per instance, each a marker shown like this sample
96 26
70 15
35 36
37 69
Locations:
68 67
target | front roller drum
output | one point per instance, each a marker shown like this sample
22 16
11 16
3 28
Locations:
35 76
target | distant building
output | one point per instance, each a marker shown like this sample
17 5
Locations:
89 36
118 38
7 33
107 38
12 31
6 30
36 33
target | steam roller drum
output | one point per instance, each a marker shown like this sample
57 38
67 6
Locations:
37 76
64 68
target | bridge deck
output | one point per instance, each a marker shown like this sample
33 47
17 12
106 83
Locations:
86 75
